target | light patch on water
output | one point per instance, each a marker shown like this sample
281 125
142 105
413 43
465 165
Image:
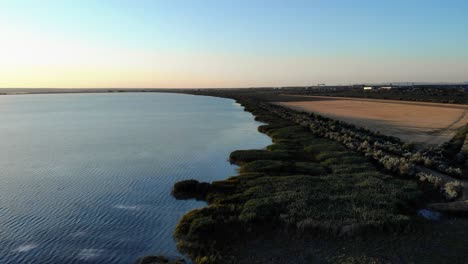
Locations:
127 207
429 215
25 248
89 253
78 234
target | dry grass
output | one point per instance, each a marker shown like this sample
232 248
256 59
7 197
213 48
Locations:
421 123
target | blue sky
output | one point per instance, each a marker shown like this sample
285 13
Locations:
231 43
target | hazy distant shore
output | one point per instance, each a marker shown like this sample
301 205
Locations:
14 91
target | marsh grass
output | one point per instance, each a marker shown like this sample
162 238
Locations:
299 184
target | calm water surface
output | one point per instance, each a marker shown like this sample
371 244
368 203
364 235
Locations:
86 178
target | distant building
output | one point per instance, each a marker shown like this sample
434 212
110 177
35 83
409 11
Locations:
386 87
369 88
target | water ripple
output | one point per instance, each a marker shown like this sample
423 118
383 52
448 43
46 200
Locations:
87 178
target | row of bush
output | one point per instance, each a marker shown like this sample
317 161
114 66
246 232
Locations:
394 155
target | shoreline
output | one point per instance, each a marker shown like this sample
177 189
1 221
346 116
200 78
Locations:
213 258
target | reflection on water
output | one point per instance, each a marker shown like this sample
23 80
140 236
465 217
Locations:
86 178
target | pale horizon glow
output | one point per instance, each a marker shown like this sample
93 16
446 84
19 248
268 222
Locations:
215 44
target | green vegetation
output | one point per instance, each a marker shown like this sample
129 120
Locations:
457 150
190 189
455 145
241 156
301 184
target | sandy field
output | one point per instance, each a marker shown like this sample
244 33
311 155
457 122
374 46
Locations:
421 123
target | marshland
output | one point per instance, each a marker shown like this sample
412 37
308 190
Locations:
331 190
313 189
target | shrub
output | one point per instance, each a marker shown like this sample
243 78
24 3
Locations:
267 166
259 210
452 189
190 189
436 181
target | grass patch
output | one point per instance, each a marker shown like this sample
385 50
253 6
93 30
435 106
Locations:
242 156
455 145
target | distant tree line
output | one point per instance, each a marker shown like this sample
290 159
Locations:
453 94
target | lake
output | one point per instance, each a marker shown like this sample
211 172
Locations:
86 178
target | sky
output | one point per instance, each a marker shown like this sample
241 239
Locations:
230 43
